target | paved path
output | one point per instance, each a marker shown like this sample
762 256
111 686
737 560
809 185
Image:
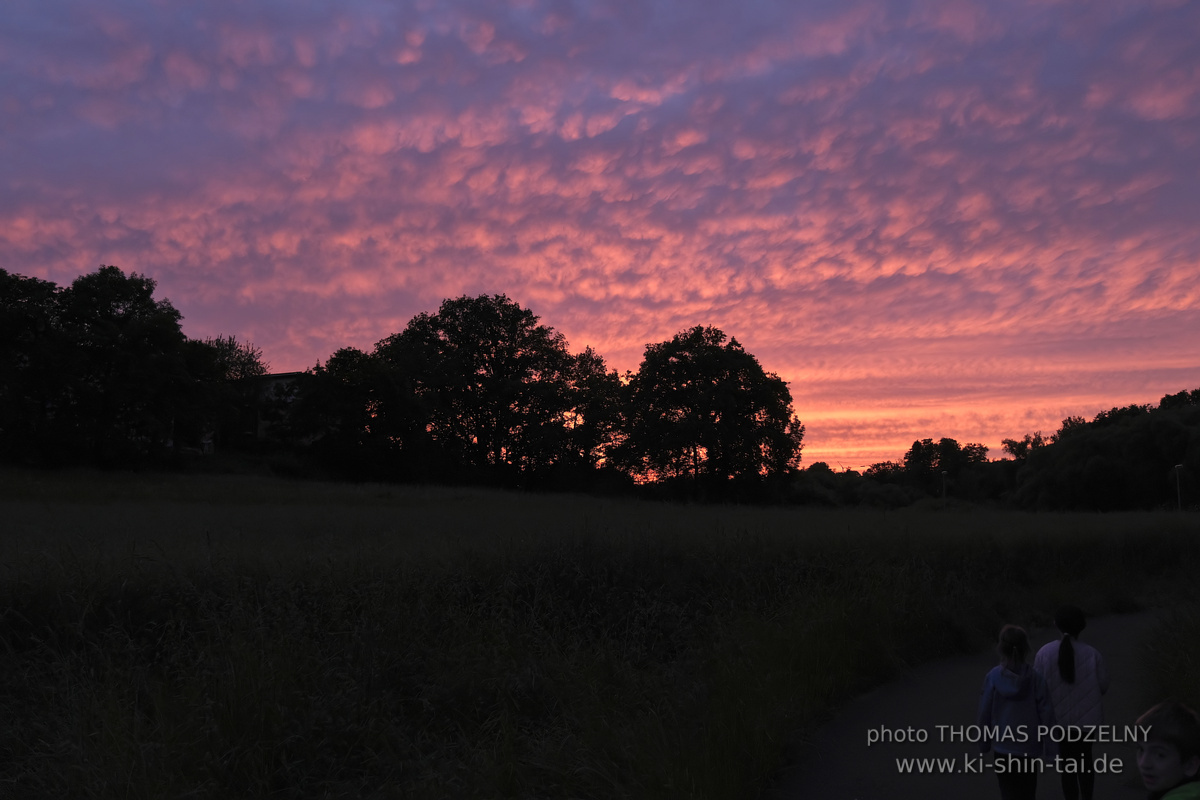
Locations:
838 765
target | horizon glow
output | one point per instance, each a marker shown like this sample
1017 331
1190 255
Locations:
953 218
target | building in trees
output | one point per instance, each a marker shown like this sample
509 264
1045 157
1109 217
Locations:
230 403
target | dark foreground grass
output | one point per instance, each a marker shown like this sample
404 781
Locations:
1174 655
228 637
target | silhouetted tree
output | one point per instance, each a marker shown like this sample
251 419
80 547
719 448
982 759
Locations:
1180 399
31 347
100 371
885 472
1124 458
335 399
1070 426
341 412
1115 415
594 417
701 406
233 360
494 384
123 358
1020 449
224 399
819 484
926 460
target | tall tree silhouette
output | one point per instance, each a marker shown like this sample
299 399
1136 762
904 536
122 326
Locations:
594 417
702 406
124 364
494 383
31 346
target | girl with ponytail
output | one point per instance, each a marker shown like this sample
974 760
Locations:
1077 679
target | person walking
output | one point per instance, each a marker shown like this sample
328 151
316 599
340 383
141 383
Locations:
1015 704
1077 678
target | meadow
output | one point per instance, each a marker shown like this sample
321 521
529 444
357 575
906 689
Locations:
224 635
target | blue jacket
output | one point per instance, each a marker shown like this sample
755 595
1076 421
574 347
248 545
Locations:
1016 703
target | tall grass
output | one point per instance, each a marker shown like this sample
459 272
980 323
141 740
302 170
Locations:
222 636
1174 655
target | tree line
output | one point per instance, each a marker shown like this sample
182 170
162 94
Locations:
1128 457
480 391
1133 457
100 372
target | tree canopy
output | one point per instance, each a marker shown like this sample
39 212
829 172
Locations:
493 383
1130 457
481 391
101 372
701 406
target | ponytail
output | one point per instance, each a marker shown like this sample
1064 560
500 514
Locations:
1066 659
1071 621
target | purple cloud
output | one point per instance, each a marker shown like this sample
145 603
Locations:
934 218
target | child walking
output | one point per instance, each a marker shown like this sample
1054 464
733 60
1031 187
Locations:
1078 679
1169 759
1015 701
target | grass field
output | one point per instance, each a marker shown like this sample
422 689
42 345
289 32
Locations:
221 636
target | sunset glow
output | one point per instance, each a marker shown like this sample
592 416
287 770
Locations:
956 218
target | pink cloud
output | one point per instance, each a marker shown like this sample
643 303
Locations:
960 222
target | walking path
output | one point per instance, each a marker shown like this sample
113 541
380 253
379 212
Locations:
838 764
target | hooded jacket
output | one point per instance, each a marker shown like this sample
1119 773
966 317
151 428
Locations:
1015 703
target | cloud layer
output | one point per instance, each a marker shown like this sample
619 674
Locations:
935 219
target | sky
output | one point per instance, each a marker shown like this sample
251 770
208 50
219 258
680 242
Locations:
963 219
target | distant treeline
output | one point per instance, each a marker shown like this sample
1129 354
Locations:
1128 458
100 373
